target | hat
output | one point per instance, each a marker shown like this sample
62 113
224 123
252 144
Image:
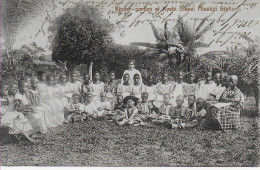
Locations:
135 99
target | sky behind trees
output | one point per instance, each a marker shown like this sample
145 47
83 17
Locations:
37 29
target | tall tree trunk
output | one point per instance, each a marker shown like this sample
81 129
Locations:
257 91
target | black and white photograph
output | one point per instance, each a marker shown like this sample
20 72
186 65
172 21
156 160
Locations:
130 83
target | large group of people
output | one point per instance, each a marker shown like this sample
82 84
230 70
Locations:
34 104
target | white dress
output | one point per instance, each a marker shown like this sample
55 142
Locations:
218 90
151 90
137 90
52 99
205 90
124 90
179 91
13 119
38 114
105 104
96 89
48 111
60 90
74 87
161 89
90 108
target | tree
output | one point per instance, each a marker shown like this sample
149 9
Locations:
21 61
18 13
243 62
246 66
179 46
81 35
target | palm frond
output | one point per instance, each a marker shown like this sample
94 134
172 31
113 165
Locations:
205 29
200 45
144 44
174 41
156 33
201 24
18 13
215 53
166 32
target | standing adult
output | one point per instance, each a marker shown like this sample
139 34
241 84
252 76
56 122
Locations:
132 71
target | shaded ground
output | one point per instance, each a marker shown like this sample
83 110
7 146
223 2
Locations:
99 143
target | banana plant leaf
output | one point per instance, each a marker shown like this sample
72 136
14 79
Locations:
144 44
156 33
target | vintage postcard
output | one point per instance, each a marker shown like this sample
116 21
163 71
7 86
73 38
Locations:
130 83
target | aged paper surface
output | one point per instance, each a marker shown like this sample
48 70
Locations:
86 42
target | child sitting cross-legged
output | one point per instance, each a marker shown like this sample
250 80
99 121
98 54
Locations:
104 106
147 110
90 106
190 119
75 110
119 103
119 108
177 113
163 114
130 112
200 108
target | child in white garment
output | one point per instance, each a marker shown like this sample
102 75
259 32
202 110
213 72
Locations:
75 110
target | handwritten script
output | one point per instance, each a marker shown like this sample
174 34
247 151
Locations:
229 26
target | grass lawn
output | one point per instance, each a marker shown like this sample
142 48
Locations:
99 143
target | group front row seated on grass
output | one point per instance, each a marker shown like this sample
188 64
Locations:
130 110
33 105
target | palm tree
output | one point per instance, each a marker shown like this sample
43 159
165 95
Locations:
165 41
245 64
180 44
16 14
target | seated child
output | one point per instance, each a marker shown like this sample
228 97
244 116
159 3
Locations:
165 110
146 108
178 112
104 106
200 108
75 110
119 103
90 107
119 108
165 86
130 112
190 119
12 117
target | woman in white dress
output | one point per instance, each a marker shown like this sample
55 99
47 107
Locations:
61 89
39 101
38 114
131 72
51 98
74 85
96 87
206 88
42 81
